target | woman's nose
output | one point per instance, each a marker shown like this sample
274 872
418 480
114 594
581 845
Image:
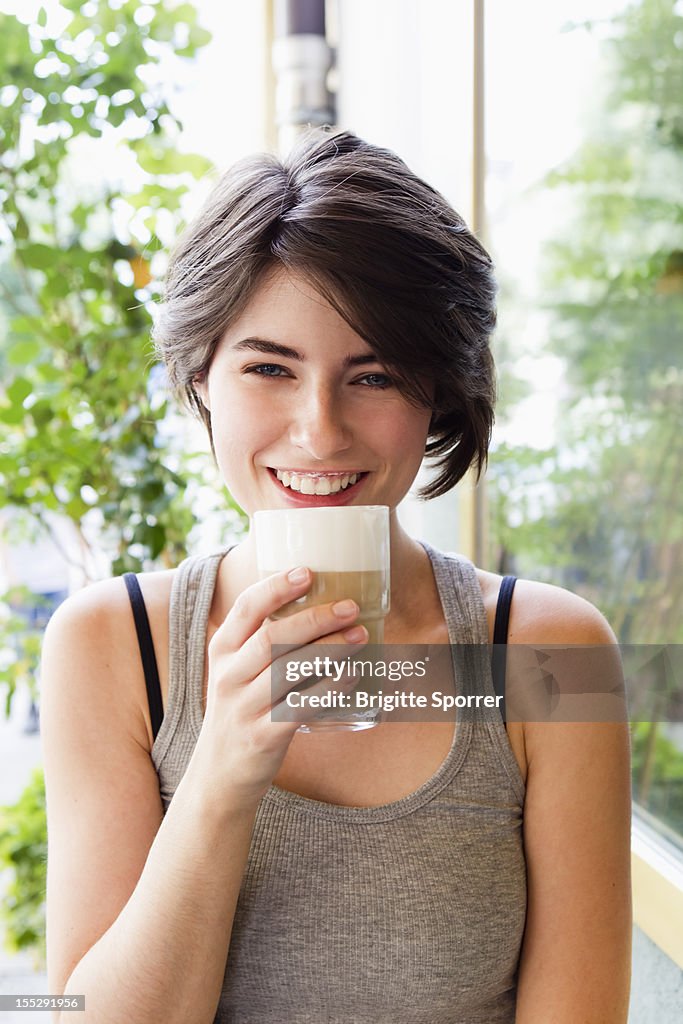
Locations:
318 426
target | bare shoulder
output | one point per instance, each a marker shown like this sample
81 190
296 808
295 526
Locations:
94 628
546 614
106 605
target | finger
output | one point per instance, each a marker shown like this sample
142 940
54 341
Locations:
264 686
281 636
256 603
326 660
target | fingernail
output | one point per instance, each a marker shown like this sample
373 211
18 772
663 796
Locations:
355 635
298 575
344 608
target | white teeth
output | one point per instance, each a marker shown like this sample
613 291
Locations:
316 484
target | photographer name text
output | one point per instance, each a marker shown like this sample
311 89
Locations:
361 699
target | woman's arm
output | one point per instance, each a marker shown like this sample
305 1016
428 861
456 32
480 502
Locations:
576 957
140 906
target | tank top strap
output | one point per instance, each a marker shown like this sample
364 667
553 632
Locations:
190 602
465 614
460 593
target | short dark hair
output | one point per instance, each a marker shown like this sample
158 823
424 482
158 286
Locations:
384 248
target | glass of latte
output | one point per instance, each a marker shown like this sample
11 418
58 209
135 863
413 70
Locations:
347 550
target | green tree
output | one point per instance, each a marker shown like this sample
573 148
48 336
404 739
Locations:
23 855
81 404
602 511
79 410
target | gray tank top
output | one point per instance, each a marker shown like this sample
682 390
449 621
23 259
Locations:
406 913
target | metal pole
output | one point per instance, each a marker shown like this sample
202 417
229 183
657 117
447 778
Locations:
478 125
301 61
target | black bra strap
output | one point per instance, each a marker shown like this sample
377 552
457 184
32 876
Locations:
500 637
149 661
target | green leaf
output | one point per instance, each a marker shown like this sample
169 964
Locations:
21 230
164 159
37 255
19 390
22 353
12 414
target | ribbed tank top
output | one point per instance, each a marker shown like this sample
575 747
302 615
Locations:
405 913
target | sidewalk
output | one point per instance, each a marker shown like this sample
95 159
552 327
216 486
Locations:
19 754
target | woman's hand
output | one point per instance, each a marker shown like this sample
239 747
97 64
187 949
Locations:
240 745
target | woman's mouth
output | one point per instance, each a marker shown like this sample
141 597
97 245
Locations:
319 486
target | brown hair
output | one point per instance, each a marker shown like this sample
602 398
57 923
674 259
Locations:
384 248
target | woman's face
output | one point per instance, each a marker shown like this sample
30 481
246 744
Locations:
295 393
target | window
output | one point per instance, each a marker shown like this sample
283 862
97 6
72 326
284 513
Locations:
585 193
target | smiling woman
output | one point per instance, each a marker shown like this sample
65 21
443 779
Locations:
328 318
297 434
384 250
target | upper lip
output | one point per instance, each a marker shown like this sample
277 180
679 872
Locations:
317 472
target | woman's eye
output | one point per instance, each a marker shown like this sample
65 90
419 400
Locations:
373 378
265 370
378 381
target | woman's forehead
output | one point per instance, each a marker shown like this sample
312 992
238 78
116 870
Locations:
279 288
288 306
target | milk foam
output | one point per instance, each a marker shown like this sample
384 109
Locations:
352 538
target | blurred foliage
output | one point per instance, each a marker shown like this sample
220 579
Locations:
23 859
81 405
599 508
79 408
658 775
21 642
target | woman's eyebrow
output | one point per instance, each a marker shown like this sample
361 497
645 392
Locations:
274 348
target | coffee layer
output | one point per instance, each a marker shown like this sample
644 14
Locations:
370 591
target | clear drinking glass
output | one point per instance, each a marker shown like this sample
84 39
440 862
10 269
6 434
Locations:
347 550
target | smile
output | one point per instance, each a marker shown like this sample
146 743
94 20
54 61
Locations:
316 483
